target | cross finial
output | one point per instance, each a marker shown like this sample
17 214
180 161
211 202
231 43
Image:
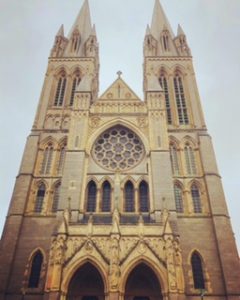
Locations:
119 73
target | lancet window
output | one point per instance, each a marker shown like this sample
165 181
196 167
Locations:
40 198
61 159
47 159
180 100
36 266
106 197
129 197
75 83
164 84
165 40
143 197
75 41
91 196
197 271
56 195
174 159
178 198
60 92
190 160
196 199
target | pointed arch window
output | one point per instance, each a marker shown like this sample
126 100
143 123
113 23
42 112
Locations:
165 40
75 83
178 198
143 197
75 41
129 197
40 198
60 92
197 271
196 199
47 160
190 160
174 160
106 197
164 84
61 159
91 196
180 100
36 266
56 195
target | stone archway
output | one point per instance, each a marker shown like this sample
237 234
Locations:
86 284
142 284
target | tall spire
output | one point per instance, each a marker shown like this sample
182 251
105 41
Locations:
80 32
83 21
160 21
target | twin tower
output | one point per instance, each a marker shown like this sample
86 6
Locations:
119 197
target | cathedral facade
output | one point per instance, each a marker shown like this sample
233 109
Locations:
119 197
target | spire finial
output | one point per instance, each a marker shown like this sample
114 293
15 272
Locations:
119 73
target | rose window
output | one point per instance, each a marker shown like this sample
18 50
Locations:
118 148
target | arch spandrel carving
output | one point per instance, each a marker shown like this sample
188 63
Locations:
115 251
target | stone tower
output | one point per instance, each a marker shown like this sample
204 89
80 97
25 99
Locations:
119 197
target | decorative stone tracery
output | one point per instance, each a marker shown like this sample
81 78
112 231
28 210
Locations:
118 148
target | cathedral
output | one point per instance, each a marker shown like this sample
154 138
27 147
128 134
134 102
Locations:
117 197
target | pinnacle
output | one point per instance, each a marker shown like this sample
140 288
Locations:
148 30
61 31
93 32
159 21
180 30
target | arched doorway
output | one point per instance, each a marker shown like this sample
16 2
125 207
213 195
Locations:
86 284
142 284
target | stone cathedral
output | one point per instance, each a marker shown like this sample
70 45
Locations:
119 197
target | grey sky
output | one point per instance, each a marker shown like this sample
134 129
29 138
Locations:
27 30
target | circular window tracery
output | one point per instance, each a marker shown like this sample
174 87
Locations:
118 148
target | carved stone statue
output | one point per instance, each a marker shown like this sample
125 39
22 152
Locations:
57 250
115 221
171 264
178 264
114 270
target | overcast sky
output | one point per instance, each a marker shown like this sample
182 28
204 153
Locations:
27 30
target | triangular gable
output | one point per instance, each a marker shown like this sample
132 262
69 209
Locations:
119 90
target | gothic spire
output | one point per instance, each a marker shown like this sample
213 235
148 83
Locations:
83 21
160 21
80 32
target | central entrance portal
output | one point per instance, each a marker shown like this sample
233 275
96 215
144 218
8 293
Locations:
86 284
142 284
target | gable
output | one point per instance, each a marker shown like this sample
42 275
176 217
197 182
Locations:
119 90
